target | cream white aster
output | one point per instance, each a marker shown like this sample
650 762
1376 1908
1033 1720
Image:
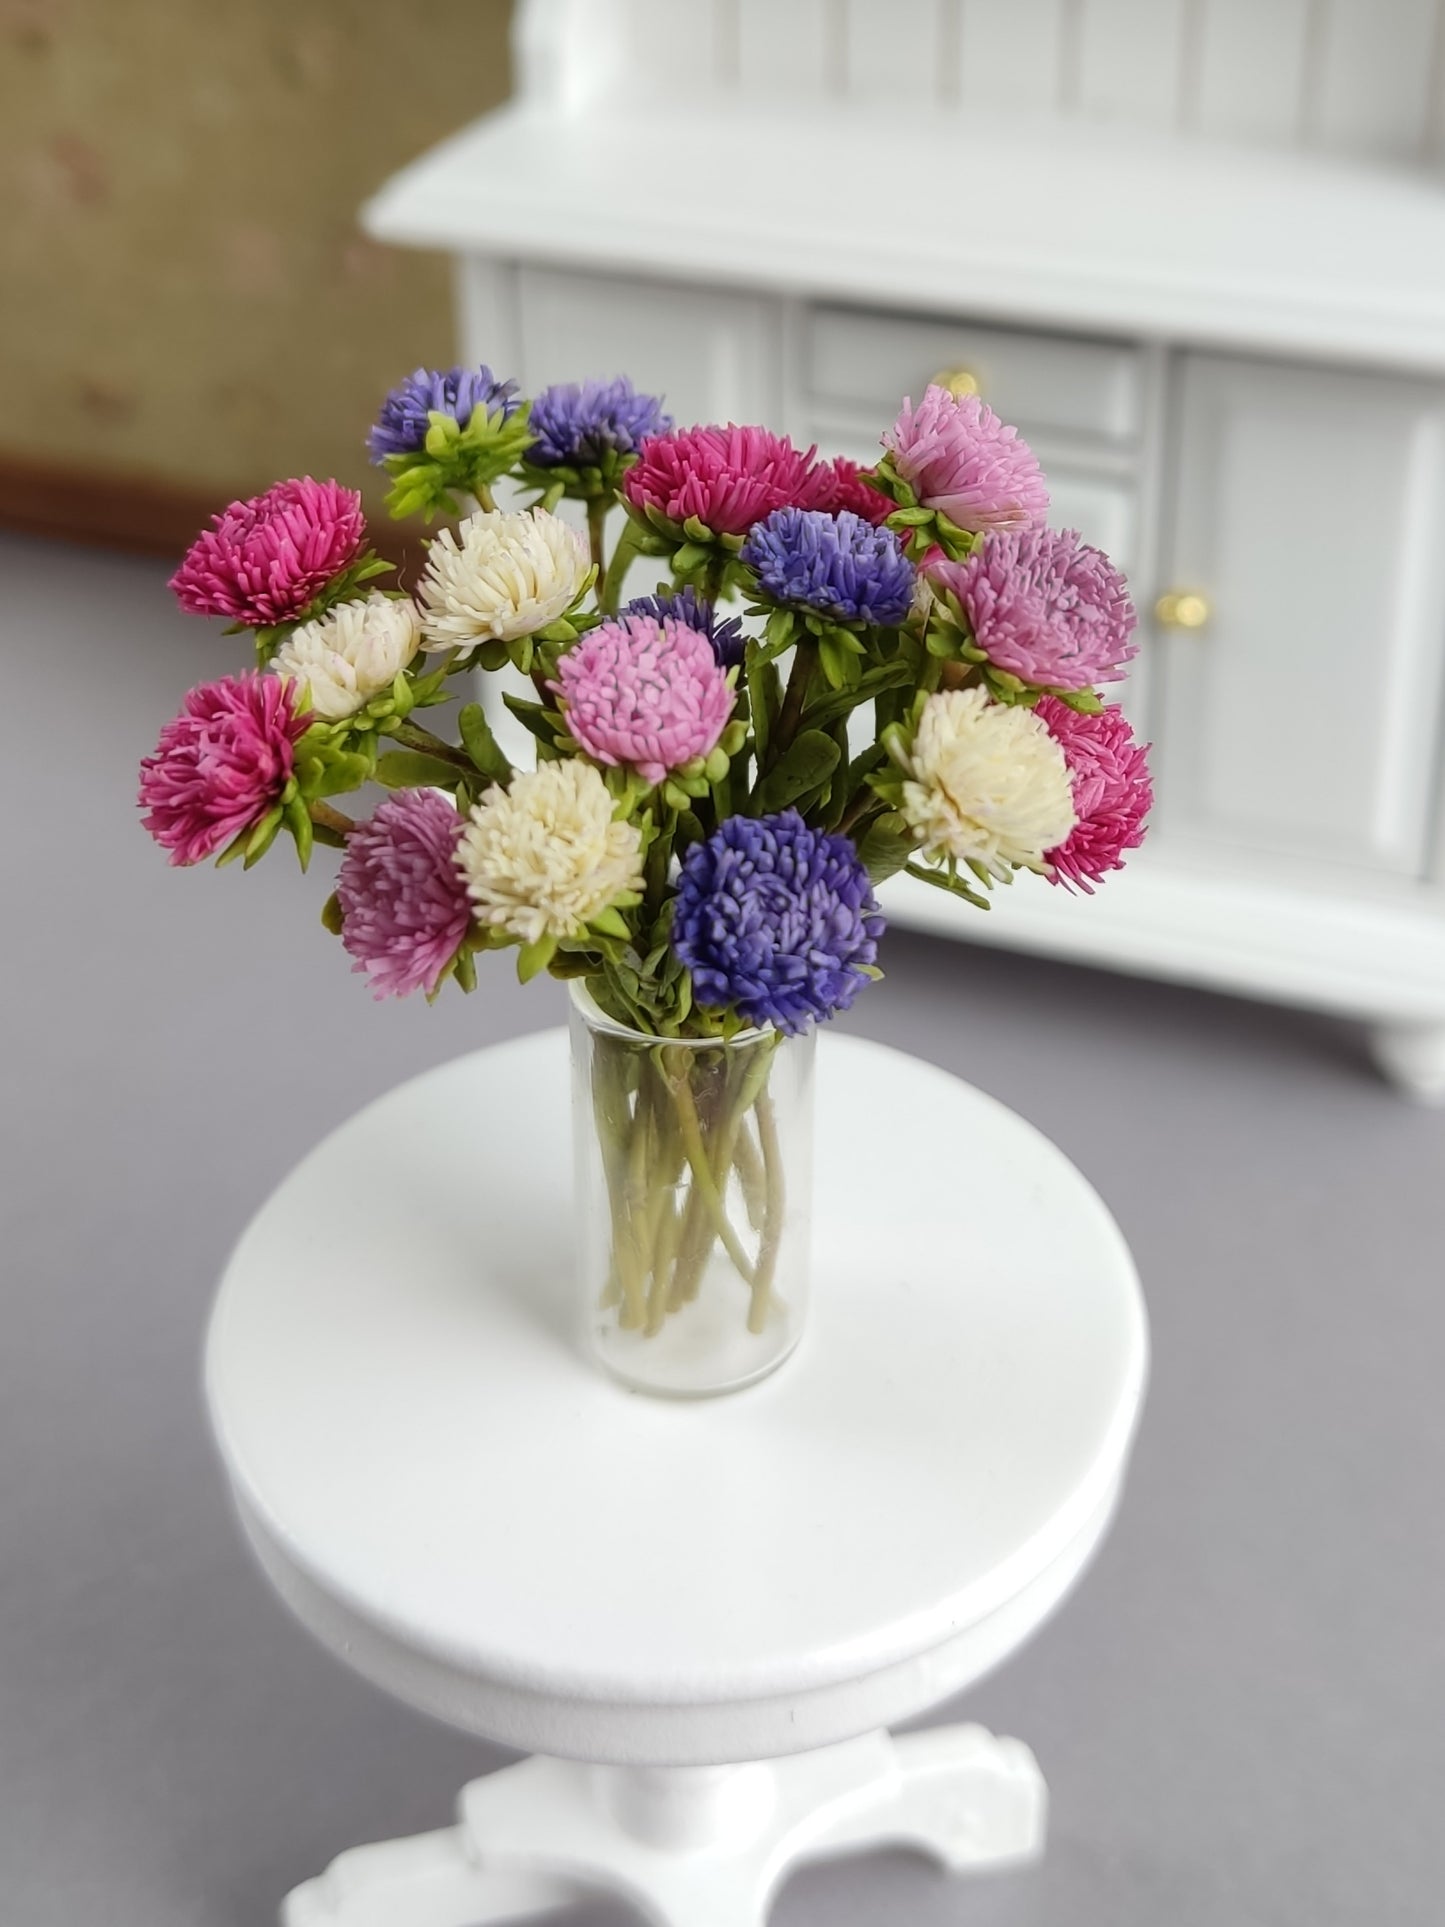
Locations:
543 857
988 782
352 653
500 575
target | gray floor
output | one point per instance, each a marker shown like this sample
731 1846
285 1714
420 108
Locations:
1240 1711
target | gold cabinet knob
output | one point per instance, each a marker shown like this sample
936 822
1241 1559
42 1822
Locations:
958 381
1182 609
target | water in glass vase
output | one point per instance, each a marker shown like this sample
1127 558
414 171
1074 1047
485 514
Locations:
693 1201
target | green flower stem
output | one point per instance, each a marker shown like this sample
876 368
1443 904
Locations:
596 527
805 658
609 593
772 1236
751 1176
415 736
706 1180
325 818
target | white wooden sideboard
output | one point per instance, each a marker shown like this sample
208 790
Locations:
1195 249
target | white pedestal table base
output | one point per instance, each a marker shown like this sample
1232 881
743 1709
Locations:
688 1846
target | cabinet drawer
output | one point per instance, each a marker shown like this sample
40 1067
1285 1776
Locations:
1047 382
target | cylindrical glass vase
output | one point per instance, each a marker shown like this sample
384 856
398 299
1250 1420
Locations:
694 1187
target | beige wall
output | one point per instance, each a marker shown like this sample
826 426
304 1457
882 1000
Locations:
183 290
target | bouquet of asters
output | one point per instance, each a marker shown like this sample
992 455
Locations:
836 674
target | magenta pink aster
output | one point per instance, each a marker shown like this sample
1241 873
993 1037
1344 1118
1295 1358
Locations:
404 904
1112 790
959 458
850 490
728 478
648 694
221 764
262 561
1043 606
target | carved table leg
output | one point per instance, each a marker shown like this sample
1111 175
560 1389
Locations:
689 1846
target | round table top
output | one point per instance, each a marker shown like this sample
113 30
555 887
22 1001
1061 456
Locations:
397 1394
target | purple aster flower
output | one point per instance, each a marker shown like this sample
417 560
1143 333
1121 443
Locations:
400 428
689 608
1044 606
834 565
404 905
581 423
648 694
776 919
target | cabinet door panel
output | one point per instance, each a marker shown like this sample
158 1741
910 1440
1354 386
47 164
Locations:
714 356
1303 718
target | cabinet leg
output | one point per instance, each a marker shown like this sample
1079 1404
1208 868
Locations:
1412 1056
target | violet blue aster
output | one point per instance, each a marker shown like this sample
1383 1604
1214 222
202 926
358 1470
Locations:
834 565
404 907
648 694
580 424
776 919
1113 793
688 607
1043 606
401 426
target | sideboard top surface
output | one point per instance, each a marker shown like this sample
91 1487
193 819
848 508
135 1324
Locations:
1111 229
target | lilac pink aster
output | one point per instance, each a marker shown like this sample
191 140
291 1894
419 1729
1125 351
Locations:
1044 606
647 694
579 424
1113 793
262 561
725 633
401 426
959 458
404 903
222 764
833 565
776 919
728 478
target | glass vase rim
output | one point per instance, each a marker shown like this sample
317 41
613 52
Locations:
596 1018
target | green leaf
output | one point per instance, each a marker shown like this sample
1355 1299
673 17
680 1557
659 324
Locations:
955 886
347 770
533 717
805 765
405 769
298 822
533 958
493 654
610 923
331 917
481 745
887 847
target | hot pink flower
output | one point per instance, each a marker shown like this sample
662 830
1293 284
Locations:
728 478
958 457
404 905
1112 790
645 693
1044 606
221 764
851 491
263 560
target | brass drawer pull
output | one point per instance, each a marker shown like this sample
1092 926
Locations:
1182 609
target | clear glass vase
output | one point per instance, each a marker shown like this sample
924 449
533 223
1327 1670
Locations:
693 1201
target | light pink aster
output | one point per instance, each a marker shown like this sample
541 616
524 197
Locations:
958 457
404 905
728 478
221 764
850 490
263 560
648 694
1043 606
1113 792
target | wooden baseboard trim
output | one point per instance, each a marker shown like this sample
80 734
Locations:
136 514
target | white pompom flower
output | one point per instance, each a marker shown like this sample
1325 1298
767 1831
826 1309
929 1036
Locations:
352 653
542 858
988 783
499 575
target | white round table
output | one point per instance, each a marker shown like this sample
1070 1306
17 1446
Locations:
701 1618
